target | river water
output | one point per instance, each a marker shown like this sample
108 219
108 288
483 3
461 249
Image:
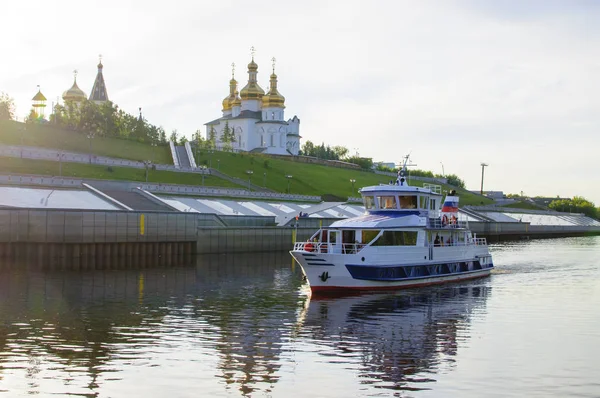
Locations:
245 325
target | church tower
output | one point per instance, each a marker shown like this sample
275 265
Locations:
39 104
228 101
99 94
74 94
273 103
252 94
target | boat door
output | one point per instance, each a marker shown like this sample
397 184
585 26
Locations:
333 241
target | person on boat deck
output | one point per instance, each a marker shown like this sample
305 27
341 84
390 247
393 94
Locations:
449 241
436 242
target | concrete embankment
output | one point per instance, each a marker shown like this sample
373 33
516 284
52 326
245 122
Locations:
76 239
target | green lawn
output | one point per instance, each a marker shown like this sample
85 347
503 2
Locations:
525 205
307 179
46 136
82 170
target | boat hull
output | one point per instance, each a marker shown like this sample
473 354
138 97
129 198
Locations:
342 273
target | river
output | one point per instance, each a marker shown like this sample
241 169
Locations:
245 325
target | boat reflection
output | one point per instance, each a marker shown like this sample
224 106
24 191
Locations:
400 340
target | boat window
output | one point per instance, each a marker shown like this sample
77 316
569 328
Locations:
397 238
408 202
387 202
369 202
333 236
432 204
369 234
423 202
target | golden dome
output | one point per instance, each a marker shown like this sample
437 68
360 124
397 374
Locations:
227 101
74 93
252 91
273 99
237 101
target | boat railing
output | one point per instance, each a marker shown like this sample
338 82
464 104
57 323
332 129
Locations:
318 247
441 223
470 242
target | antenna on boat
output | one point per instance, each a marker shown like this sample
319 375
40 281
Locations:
403 172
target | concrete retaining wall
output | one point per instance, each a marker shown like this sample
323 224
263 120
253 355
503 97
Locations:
238 240
64 226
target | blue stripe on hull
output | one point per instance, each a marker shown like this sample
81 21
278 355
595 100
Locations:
409 272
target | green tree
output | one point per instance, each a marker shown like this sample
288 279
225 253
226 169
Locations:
173 136
340 151
162 135
7 107
453 179
212 138
576 205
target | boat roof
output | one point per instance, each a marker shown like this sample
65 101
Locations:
395 219
397 189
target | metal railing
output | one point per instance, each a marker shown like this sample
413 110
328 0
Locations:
318 247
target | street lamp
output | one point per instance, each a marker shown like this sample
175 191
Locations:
265 179
22 130
147 164
289 177
352 180
60 157
154 144
90 136
483 166
249 172
218 164
203 171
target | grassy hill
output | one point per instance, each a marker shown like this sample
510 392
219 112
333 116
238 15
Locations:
82 170
307 179
46 136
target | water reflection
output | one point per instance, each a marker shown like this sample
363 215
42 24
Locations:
73 332
401 339
238 325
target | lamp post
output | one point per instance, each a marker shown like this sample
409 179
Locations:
218 164
483 166
90 136
60 157
203 170
352 180
249 172
154 145
22 130
289 177
443 172
265 179
147 164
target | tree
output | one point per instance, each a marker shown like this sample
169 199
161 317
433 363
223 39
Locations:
212 138
183 140
576 205
453 179
340 151
173 136
227 137
7 107
162 135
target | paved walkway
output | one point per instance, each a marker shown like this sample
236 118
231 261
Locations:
28 152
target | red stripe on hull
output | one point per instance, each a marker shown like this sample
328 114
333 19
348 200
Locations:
339 289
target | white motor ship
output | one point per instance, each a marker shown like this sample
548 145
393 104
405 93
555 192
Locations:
408 237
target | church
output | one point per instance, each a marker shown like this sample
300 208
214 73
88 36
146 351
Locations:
256 119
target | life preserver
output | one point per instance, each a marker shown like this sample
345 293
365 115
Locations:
308 247
444 220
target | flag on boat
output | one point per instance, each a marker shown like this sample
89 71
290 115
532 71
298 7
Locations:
450 204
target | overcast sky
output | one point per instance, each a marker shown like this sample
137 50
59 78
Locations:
514 84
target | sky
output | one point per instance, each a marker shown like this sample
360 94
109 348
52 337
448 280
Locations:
514 84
